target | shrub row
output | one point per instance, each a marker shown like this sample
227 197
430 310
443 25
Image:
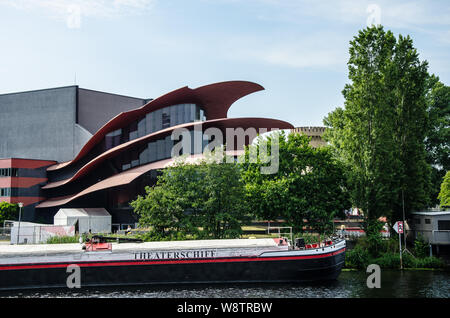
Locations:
360 258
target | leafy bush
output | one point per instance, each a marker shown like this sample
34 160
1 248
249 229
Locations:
390 245
375 242
409 261
430 262
308 237
387 260
8 211
421 248
357 258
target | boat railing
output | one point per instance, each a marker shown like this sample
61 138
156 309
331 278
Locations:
281 231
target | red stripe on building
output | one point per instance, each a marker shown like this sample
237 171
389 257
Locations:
20 182
25 200
25 163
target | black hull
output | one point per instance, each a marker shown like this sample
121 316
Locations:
277 269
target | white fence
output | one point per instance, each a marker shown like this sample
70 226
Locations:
5 233
36 234
441 237
356 233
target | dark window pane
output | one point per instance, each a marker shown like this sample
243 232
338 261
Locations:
165 118
152 152
444 225
141 127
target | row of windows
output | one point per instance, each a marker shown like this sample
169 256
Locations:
9 172
443 225
9 192
427 221
154 121
159 150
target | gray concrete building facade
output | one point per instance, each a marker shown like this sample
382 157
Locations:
54 124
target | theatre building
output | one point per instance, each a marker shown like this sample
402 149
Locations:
76 148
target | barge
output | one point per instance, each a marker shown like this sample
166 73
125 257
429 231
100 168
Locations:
180 262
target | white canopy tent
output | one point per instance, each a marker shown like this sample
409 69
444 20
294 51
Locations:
98 220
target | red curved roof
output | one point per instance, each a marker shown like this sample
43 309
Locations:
215 99
119 179
222 124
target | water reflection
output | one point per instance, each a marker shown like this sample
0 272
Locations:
394 284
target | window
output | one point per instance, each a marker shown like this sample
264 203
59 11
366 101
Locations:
113 139
173 116
165 119
444 225
133 130
168 145
417 221
143 156
152 151
150 123
202 115
134 158
159 119
427 221
160 149
9 172
141 127
9 192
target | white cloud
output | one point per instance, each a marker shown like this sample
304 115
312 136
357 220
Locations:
319 50
301 58
430 18
89 8
404 13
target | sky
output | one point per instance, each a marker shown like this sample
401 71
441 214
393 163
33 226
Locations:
296 49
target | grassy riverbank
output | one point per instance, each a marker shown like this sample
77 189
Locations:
385 253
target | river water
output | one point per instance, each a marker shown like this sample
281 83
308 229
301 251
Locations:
350 284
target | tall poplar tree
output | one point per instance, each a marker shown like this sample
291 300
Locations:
409 85
437 141
379 133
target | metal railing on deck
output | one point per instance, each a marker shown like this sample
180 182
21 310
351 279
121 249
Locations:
279 231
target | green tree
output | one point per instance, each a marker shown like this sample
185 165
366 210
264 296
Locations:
437 140
409 80
444 194
379 134
203 199
308 186
8 211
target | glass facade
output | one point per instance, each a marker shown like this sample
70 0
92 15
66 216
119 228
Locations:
158 150
160 119
152 122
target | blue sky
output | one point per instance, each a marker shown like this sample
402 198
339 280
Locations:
296 49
